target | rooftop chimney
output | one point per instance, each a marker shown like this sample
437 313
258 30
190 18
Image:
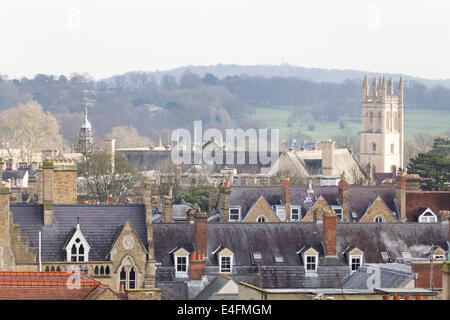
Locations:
200 231
47 192
327 157
343 197
168 206
286 196
224 200
329 233
198 263
7 262
400 193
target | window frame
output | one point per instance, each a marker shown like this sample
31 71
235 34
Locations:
298 214
381 217
352 257
234 208
308 263
186 265
261 217
230 264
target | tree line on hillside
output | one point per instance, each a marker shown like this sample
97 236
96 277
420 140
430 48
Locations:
155 108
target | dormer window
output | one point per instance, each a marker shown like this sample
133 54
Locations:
225 264
311 263
427 217
77 249
295 213
280 211
225 259
234 214
338 211
355 258
355 262
181 261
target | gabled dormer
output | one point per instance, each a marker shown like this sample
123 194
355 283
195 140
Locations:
426 215
378 211
261 211
310 259
354 257
181 262
316 211
225 259
77 248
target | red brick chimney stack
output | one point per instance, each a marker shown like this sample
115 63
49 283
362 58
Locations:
343 197
329 233
198 263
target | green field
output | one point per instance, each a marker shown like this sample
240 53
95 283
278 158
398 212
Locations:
416 120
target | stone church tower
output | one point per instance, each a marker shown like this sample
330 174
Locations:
382 126
85 139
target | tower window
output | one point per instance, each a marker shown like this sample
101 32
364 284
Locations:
374 147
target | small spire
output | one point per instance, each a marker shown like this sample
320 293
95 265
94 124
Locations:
374 87
160 142
391 87
400 91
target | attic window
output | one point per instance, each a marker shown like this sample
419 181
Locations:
295 213
311 263
355 262
257 256
385 256
427 217
261 219
77 249
378 219
225 264
406 255
279 259
438 257
234 214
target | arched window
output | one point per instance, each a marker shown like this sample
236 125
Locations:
52 269
379 219
123 277
58 269
102 270
96 270
107 270
261 219
374 147
132 279
47 269
85 270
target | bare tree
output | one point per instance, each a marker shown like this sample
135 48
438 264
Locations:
28 128
101 182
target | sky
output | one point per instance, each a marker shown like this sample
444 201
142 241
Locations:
105 38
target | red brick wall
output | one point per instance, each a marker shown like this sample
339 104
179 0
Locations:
435 200
423 271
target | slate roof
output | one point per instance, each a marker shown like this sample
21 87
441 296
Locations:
149 160
212 287
390 276
285 239
13 174
100 224
294 277
359 198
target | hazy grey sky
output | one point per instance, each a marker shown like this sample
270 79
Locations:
105 38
